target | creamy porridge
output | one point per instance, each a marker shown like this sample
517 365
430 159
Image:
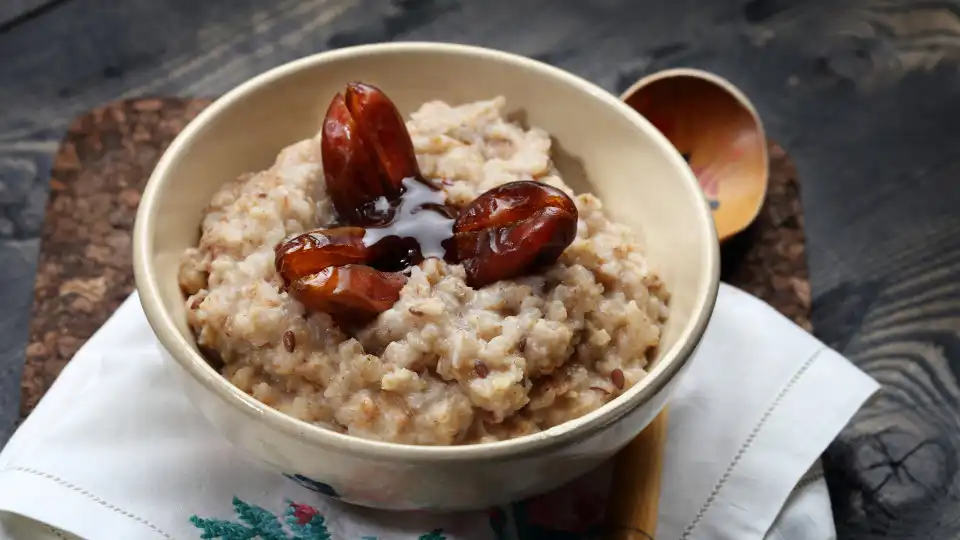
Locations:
441 362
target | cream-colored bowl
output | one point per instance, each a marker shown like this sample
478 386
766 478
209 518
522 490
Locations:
601 146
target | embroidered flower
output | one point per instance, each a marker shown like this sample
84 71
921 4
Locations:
257 522
303 513
300 522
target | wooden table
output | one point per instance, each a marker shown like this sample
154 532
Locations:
862 93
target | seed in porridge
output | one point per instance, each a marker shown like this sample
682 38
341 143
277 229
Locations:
481 369
261 195
417 312
616 376
522 345
289 341
598 389
195 303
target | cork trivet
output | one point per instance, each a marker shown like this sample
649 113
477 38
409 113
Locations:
85 268
768 259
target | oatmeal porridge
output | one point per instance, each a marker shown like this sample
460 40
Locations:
443 345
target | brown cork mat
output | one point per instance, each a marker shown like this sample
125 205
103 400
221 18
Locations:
86 271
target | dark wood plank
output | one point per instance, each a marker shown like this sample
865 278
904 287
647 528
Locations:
14 12
860 92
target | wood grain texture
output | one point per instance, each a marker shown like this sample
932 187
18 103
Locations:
861 92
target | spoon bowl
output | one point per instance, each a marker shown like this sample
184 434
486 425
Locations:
717 130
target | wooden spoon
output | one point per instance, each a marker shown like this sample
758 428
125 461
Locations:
717 130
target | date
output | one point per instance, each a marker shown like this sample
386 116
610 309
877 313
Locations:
335 271
512 230
366 153
353 294
311 252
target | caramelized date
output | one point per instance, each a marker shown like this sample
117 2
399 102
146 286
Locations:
513 229
311 252
347 164
382 127
353 294
328 270
366 152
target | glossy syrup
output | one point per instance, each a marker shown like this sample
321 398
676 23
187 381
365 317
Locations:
415 226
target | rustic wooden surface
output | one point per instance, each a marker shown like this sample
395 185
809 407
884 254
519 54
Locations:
100 170
861 93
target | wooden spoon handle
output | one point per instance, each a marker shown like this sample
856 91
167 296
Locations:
635 489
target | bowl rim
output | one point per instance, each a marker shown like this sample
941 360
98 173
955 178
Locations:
565 434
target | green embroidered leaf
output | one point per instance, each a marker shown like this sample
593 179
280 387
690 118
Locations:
225 530
261 521
256 523
315 530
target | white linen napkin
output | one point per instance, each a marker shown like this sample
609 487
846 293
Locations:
114 451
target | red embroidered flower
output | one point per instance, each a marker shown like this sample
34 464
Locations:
303 513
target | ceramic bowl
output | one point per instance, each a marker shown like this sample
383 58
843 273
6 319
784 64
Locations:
601 145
